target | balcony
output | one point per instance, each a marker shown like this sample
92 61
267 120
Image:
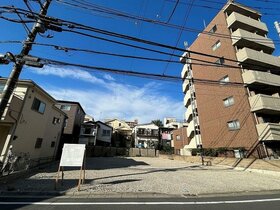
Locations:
236 20
147 134
253 58
251 40
185 85
185 71
187 98
190 129
189 112
265 104
268 131
260 78
241 9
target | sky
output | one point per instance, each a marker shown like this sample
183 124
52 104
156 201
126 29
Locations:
106 95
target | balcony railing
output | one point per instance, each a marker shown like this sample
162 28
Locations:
256 58
265 104
185 85
258 77
236 20
147 134
268 131
187 98
244 38
192 125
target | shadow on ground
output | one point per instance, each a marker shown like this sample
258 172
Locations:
100 163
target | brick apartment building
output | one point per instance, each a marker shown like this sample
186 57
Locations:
180 139
241 108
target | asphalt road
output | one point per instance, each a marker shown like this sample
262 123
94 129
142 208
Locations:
234 202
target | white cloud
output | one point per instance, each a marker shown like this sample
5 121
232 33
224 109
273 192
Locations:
108 77
133 103
72 73
115 100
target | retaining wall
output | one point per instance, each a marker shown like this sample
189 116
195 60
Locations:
245 163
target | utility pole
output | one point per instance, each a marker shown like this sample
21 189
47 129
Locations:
19 63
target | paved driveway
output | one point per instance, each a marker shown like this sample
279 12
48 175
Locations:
142 176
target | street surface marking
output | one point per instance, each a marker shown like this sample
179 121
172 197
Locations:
139 203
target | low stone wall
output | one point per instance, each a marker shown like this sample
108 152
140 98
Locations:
246 163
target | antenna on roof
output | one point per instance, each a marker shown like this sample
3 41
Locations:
186 45
276 24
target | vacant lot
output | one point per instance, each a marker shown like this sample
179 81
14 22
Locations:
147 175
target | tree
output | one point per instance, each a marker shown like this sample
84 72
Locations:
158 123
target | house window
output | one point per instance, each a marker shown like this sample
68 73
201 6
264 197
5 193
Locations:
228 101
224 80
106 132
120 124
220 61
2 87
38 106
56 120
52 143
178 138
65 107
38 143
233 125
87 130
216 45
214 29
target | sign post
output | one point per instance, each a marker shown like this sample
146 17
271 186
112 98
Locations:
73 155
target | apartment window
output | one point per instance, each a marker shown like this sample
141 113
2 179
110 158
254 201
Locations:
106 132
214 29
52 143
233 125
38 143
178 138
65 123
216 45
65 107
224 80
228 101
220 61
38 106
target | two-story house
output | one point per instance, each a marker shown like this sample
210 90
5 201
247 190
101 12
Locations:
145 135
121 133
31 123
75 117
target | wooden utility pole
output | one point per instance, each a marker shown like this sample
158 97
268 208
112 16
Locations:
19 63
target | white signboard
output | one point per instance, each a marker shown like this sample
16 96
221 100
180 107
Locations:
73 155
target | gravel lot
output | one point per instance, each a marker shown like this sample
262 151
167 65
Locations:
147 175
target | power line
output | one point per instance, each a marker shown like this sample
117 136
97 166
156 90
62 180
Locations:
180 33
129 16
73 25
134 73
173 11
220 35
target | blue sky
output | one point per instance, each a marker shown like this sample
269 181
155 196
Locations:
106 95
